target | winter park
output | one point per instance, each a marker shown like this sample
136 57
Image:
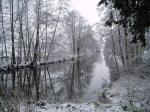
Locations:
74 55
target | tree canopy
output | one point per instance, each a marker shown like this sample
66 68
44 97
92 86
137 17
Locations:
135 14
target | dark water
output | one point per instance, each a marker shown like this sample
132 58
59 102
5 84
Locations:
80 81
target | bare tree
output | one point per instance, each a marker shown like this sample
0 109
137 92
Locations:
12 31
38 15
3 30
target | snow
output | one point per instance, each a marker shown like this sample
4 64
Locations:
130 87
64 108
43 106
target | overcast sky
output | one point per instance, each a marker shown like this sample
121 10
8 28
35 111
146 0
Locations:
87 8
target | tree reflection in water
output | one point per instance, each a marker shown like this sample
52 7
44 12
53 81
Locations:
78 81
54 83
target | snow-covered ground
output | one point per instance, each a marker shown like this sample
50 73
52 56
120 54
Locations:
132 88
43 106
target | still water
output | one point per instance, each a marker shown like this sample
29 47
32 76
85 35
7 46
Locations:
82 80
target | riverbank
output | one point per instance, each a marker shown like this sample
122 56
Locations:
70 107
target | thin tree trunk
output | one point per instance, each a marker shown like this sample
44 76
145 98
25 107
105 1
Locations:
27 32
113 43
3 30
35 57
54 33
46 32
121 52
114 53
12 33
126 48
21 32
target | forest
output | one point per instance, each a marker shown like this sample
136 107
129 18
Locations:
52 59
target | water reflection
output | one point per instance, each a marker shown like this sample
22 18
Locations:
100 80
79 81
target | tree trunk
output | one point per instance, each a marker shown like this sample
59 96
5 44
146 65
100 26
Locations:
126 49
54 33
114 53
2 20
121 52
36 49
12 33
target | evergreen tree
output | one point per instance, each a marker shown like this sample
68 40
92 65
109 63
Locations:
135 14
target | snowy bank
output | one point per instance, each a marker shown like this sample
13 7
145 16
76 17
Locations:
43 106
131 90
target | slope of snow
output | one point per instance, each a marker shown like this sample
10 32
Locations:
130 87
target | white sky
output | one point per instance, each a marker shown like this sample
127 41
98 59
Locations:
87 8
